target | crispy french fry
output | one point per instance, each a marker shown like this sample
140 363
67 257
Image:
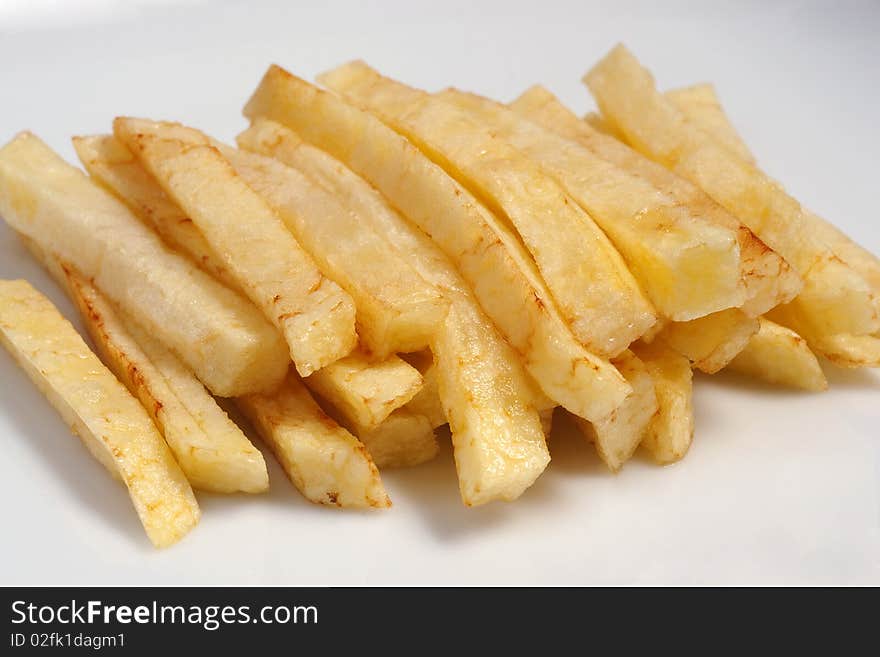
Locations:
599 124
115 168
316 317
364 391
403 440
324 461
618 436
477 381
110 422
588 278
701 106
688 266
502 275
768 278
221 337
834 299
397 311
778 355
211 450
711 342
671 430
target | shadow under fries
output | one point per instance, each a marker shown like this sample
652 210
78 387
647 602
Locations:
40 429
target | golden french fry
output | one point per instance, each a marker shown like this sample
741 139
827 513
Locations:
768 278
477 378
688 266
111 423
834 299
115 168
618 436
599 124
701 106
316 317
366 392
324 461
494 263
588 278
220 336
397 311
671 430
711 342
778 355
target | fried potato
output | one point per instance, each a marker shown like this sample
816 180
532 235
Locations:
211 450
117 170
594 290
492 260
618 436
778 355
324 461
220 336
403 440
711 342
397 311
366 392
111 423
688 266
478 383
671 430
546 416
316 317
701 106
768 278
597 122
834 299
850 350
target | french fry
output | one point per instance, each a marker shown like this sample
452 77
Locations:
598 123
324 461
711 342
477 382
588 278
546 416
701 106
835 299
211 450
494 263
397 311
115 168
617 436
688 266
220 336
366 392
768 278
671 430
316 317
404 439
778 355
111 423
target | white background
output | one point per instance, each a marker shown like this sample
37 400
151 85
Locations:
779 487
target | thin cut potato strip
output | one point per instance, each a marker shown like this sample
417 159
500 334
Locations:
397 311
711 342
834 299
324 461
780 356
671 430
364 391
768 278
701 106
220 336
588 278
316 317
403 440
619 435
211 450
688 266
98 408
115 168
500 273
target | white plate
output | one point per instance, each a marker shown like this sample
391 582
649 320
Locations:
779 487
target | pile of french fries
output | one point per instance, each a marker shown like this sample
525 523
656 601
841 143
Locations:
419 259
